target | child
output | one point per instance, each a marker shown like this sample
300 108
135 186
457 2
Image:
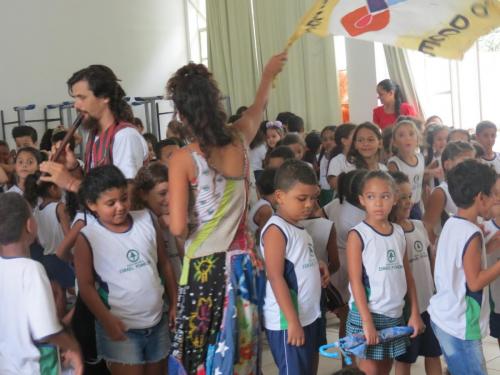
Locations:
296 144
26 163
486 134
131 331
313 144
176 129
151 141
459 309
25 136
165 148
258 151
418 251
151 191
295 125
28 320
408 160
261 211
338 163
325 155
458 135
293 289
436 139
440 206
274 134
278 156
366 147
379 276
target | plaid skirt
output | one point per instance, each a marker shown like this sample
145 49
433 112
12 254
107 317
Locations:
391 349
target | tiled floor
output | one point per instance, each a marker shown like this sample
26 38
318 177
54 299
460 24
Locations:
329 366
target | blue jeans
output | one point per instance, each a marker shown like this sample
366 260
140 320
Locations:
463 357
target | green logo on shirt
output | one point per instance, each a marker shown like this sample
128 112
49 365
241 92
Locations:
133 255
391 256
418 246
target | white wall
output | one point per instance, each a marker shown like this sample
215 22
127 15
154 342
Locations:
43 43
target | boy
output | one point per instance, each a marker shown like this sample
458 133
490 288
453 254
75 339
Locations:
459 309
263 209
25 136
278 156
165 148
28 320
486 133
294 276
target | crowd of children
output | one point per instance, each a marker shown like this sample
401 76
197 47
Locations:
381 229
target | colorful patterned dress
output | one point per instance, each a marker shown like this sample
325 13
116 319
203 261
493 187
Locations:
218 324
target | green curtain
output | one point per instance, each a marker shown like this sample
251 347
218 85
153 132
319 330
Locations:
231 54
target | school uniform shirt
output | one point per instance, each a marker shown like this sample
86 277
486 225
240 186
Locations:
27 315
330 209
126 270
319 229
495 162
252 225
301 273
50 233
491 227
15 189
257 156
417 246
323 173
449 206
338 165
454 308
383 276
415 174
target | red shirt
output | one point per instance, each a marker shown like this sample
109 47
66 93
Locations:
384 120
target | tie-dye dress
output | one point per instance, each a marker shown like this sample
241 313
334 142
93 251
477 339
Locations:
218 320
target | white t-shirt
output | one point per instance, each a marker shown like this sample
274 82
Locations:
338 165
383 277
417 246
252 225
449 206
15 189
415 174
319 229
491 227
301 273
127 272
27 314
50 233
495 162
323 173
330 209
454 308
257 156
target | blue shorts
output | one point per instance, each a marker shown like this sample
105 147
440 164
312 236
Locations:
495 325
297 360
59 271
416 212
425 345
463 357
149 345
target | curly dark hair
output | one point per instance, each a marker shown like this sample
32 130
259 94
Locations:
103 83
196 97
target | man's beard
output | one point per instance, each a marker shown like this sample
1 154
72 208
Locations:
90 123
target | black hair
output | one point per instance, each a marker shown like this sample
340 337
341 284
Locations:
353 156
322 152
284 117
46 141
342 131
24 131
14 212
291 139
34 189
3 143
431 132
348 186
265 182
313 143
99 180
454 149
59 136
293 171
137 122
31 150
282 152
478 148
382 175
483 125
260 136
387 135
295 124
146 179
455 131
241 109
165 143
399 177
349 371
196 97
469 178
233 118
151 138
103 82
389 85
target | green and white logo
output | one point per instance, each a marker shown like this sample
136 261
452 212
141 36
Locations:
133 256
418 246
391 256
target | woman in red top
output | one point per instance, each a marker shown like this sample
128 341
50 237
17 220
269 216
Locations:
392 106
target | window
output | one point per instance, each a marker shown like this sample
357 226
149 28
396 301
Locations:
196 13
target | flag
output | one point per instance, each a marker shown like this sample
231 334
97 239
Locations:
445 28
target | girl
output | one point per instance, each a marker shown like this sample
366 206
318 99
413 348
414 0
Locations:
338 163
296 144
258 151
151 191
366 147
209 180
418 252
313 145
274 133
408 160
379 276
325 155
458 135
440 206
436 139
131 329
263 209
393 105
26 163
